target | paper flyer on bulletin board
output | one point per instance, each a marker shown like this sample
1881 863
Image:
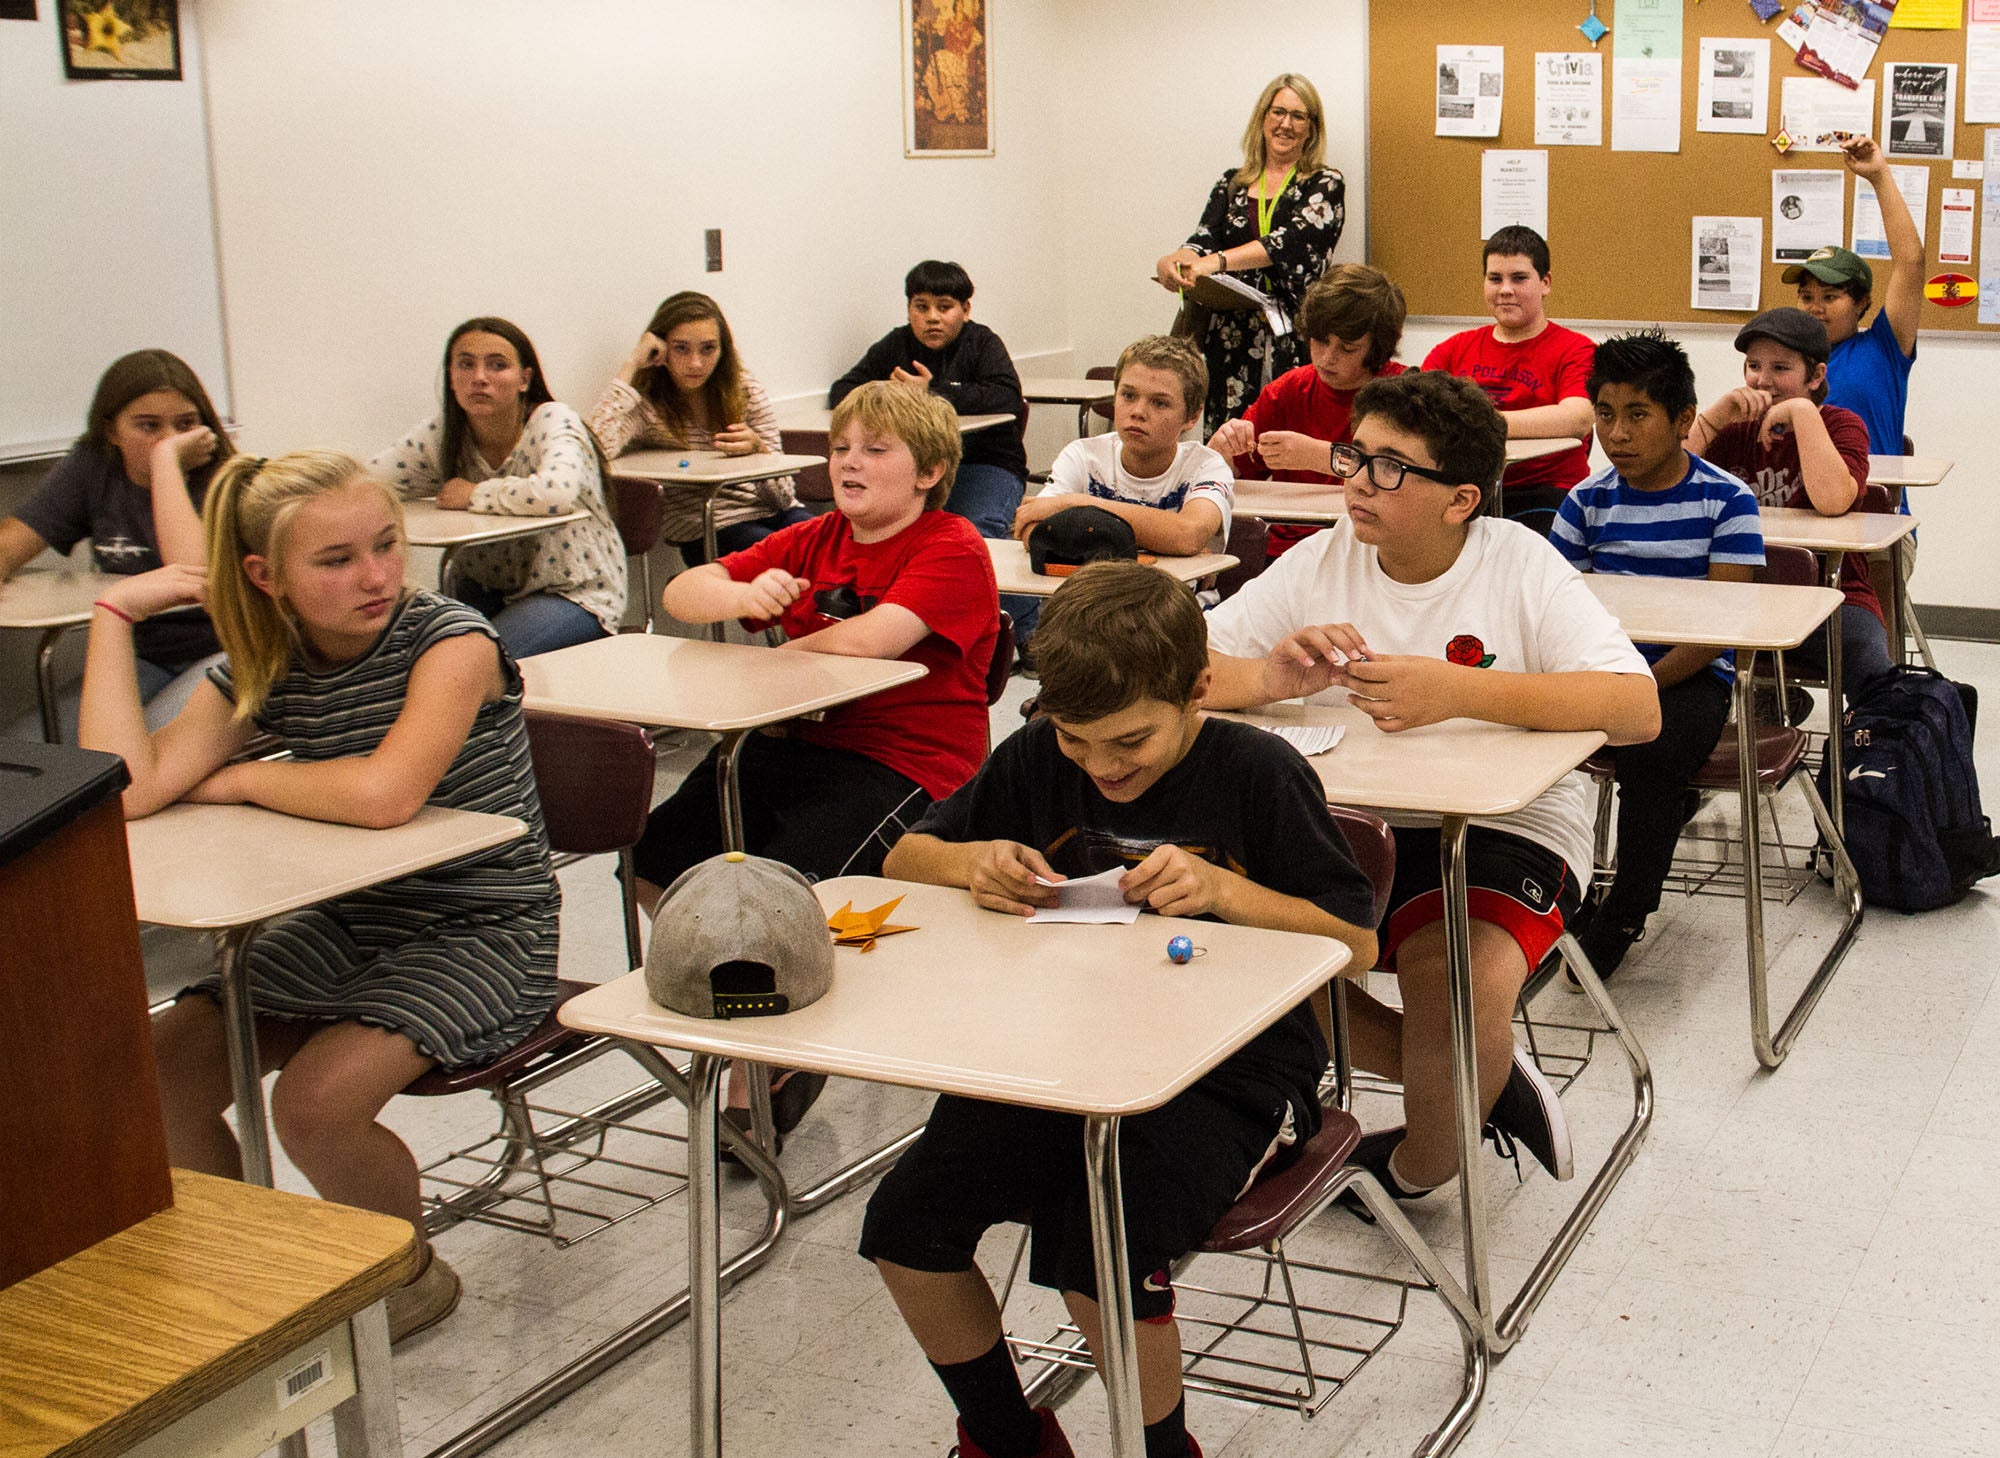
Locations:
1733 89
1807 209
1569 99
1982 73
1728 268
1513 189
1917 108
1928 15
1469 88
1646 76
1989 232
1816 112
1868 238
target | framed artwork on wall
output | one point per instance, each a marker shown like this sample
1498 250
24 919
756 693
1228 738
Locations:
947 78
121 40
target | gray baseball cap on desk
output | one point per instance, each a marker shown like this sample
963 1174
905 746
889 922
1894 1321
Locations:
739 936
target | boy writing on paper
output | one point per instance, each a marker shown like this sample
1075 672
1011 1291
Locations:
1175 494
1210 819
1656 511
1533 369
1417 609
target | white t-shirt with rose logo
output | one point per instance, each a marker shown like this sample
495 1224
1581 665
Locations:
1510 603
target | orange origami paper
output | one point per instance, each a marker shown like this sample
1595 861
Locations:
861 929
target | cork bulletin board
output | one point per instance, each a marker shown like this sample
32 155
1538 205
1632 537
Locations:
1619 222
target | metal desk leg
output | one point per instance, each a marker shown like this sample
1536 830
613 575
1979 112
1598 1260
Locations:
1119 1361
1465 1064
708 545
445 573
365 1426
728 788
45 684
239 1022
704 1261
1836 702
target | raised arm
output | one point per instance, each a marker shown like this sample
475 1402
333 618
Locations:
1903 298
176 523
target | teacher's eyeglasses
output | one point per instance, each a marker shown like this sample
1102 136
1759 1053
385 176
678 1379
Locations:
1385 473
1285 113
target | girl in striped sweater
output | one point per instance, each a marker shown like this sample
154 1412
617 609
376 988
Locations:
388 700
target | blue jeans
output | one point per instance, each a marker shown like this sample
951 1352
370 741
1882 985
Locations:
988 496
743 535
1864 651
538 623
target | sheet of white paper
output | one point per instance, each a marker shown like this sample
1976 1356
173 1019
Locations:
1513 188
1917 105
1967 169
1982 73
1957 206
1813 110
1274 316
1728 263
1733 91
1093 899
1869 240
1569 99
1806 212
1989 232
1645 105
1469 87
1308 739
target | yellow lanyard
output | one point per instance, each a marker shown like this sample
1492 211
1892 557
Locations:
1267 208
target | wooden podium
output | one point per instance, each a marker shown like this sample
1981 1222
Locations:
85 1151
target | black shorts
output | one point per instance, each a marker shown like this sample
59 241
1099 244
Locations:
980 1164
1522 887
823 812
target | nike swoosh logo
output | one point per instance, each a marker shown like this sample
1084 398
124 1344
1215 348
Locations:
1857 773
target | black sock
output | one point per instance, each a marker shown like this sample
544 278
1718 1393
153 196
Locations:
1167 1438
987 1393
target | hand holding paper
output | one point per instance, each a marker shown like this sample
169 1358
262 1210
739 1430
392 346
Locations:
1098 899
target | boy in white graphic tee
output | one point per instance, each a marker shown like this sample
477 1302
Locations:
1418 609
1176 494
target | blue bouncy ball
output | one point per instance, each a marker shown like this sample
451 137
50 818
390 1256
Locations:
1180 950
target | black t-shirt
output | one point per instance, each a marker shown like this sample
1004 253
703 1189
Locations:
973 373
89 495
1240 798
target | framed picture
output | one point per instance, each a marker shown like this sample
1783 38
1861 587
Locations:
947 78
121 40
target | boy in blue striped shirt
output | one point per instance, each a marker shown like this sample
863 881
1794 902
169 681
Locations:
1656 511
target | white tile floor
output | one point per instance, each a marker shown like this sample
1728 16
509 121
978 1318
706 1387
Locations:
1799 1265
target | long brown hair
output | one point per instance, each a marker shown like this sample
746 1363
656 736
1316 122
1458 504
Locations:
1311 158
457 429
249 509
141 373
722 396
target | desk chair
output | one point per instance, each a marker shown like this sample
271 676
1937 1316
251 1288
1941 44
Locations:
1249 544
1101 408
595 781
813 486
1282 1364
637 508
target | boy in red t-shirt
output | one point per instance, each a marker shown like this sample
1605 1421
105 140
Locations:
887 575
1793 451
1534 370
1352 321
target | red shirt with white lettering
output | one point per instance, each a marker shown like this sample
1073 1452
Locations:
933 730
1552 367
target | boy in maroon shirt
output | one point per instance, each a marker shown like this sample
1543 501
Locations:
1533 369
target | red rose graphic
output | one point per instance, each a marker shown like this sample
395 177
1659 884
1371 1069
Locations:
1468 651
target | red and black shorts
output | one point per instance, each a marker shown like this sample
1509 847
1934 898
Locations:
1523 888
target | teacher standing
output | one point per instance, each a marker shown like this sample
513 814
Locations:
1276 220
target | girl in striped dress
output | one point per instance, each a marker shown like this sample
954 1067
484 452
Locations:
389 700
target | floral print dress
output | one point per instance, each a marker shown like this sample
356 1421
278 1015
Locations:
1305 228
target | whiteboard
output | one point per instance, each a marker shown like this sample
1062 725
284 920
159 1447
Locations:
107 232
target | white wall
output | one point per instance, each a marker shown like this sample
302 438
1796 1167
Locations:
384 170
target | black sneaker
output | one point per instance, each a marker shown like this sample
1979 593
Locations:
1372 1154
1529 1113
1605 942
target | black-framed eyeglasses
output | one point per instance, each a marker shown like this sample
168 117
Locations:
1385 473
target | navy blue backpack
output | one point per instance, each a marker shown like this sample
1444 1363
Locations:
1913 822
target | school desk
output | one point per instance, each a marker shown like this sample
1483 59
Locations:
426 524
1057 390
987 1006
1750 617
1010 567
708 472
1905 472
219 1326
53 603
1835 536
804 415
1452 772
231 868
717 688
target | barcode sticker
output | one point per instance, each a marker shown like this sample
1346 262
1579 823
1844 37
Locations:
313 1373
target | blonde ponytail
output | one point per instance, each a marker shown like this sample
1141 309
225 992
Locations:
250 505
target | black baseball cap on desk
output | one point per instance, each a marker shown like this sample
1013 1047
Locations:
1079 535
